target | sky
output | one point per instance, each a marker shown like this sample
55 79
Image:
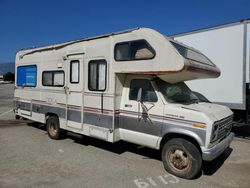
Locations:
28 23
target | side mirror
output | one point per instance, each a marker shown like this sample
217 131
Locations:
139 95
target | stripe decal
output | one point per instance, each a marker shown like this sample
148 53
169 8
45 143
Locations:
59 108
73 113
160 118
122 119
100 120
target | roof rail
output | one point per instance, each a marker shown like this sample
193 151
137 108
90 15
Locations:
61 45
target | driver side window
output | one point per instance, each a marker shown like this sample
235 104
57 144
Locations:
148 93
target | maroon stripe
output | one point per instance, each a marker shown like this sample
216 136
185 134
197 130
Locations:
61 104
92 108
117 112
38 100
190 121
162 117
98 94
98 111
73 106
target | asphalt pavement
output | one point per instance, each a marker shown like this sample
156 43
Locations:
28 158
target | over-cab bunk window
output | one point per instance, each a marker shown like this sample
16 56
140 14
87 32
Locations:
191 54
97 75
53 78
133 50
27 76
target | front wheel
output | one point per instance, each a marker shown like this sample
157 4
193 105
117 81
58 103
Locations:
181 158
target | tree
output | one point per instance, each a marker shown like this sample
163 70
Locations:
9 77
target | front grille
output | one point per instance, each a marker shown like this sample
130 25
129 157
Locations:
224 127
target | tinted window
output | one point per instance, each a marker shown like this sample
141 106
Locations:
53 78
148 93
191 54
47 78
133 50
122 52
97 75
26 76
74 71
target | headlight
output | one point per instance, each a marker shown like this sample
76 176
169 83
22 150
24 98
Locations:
214 133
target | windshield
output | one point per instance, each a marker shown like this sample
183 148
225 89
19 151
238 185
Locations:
177 93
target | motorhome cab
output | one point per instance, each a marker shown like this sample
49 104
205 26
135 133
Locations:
126 86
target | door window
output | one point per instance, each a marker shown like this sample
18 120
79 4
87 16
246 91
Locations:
74 71
148 93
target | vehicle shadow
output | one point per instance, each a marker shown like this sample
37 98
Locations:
37 125
119 147
241 130
208 168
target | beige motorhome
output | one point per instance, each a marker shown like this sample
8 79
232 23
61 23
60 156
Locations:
126 86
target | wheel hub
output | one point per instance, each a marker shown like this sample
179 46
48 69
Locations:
52 129
178 159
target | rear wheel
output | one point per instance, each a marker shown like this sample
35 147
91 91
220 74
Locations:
53 128
181 158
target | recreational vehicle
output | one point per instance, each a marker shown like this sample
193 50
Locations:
126 86
228 47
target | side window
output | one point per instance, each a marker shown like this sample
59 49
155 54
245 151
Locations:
27 76
53 78
74 71
148 93
122 52
133 50
47 79
97 75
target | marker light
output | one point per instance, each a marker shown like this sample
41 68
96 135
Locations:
199 125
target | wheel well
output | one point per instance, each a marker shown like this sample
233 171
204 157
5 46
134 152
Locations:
48 114
170 136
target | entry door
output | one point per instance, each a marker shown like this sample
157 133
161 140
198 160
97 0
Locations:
139 125
74 92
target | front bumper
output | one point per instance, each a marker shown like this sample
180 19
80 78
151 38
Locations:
211 153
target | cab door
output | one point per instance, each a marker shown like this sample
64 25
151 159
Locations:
141 122
74 93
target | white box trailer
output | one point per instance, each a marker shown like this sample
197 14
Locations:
125 86
228 47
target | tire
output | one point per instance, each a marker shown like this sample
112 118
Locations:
53 128
17 117
181 158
